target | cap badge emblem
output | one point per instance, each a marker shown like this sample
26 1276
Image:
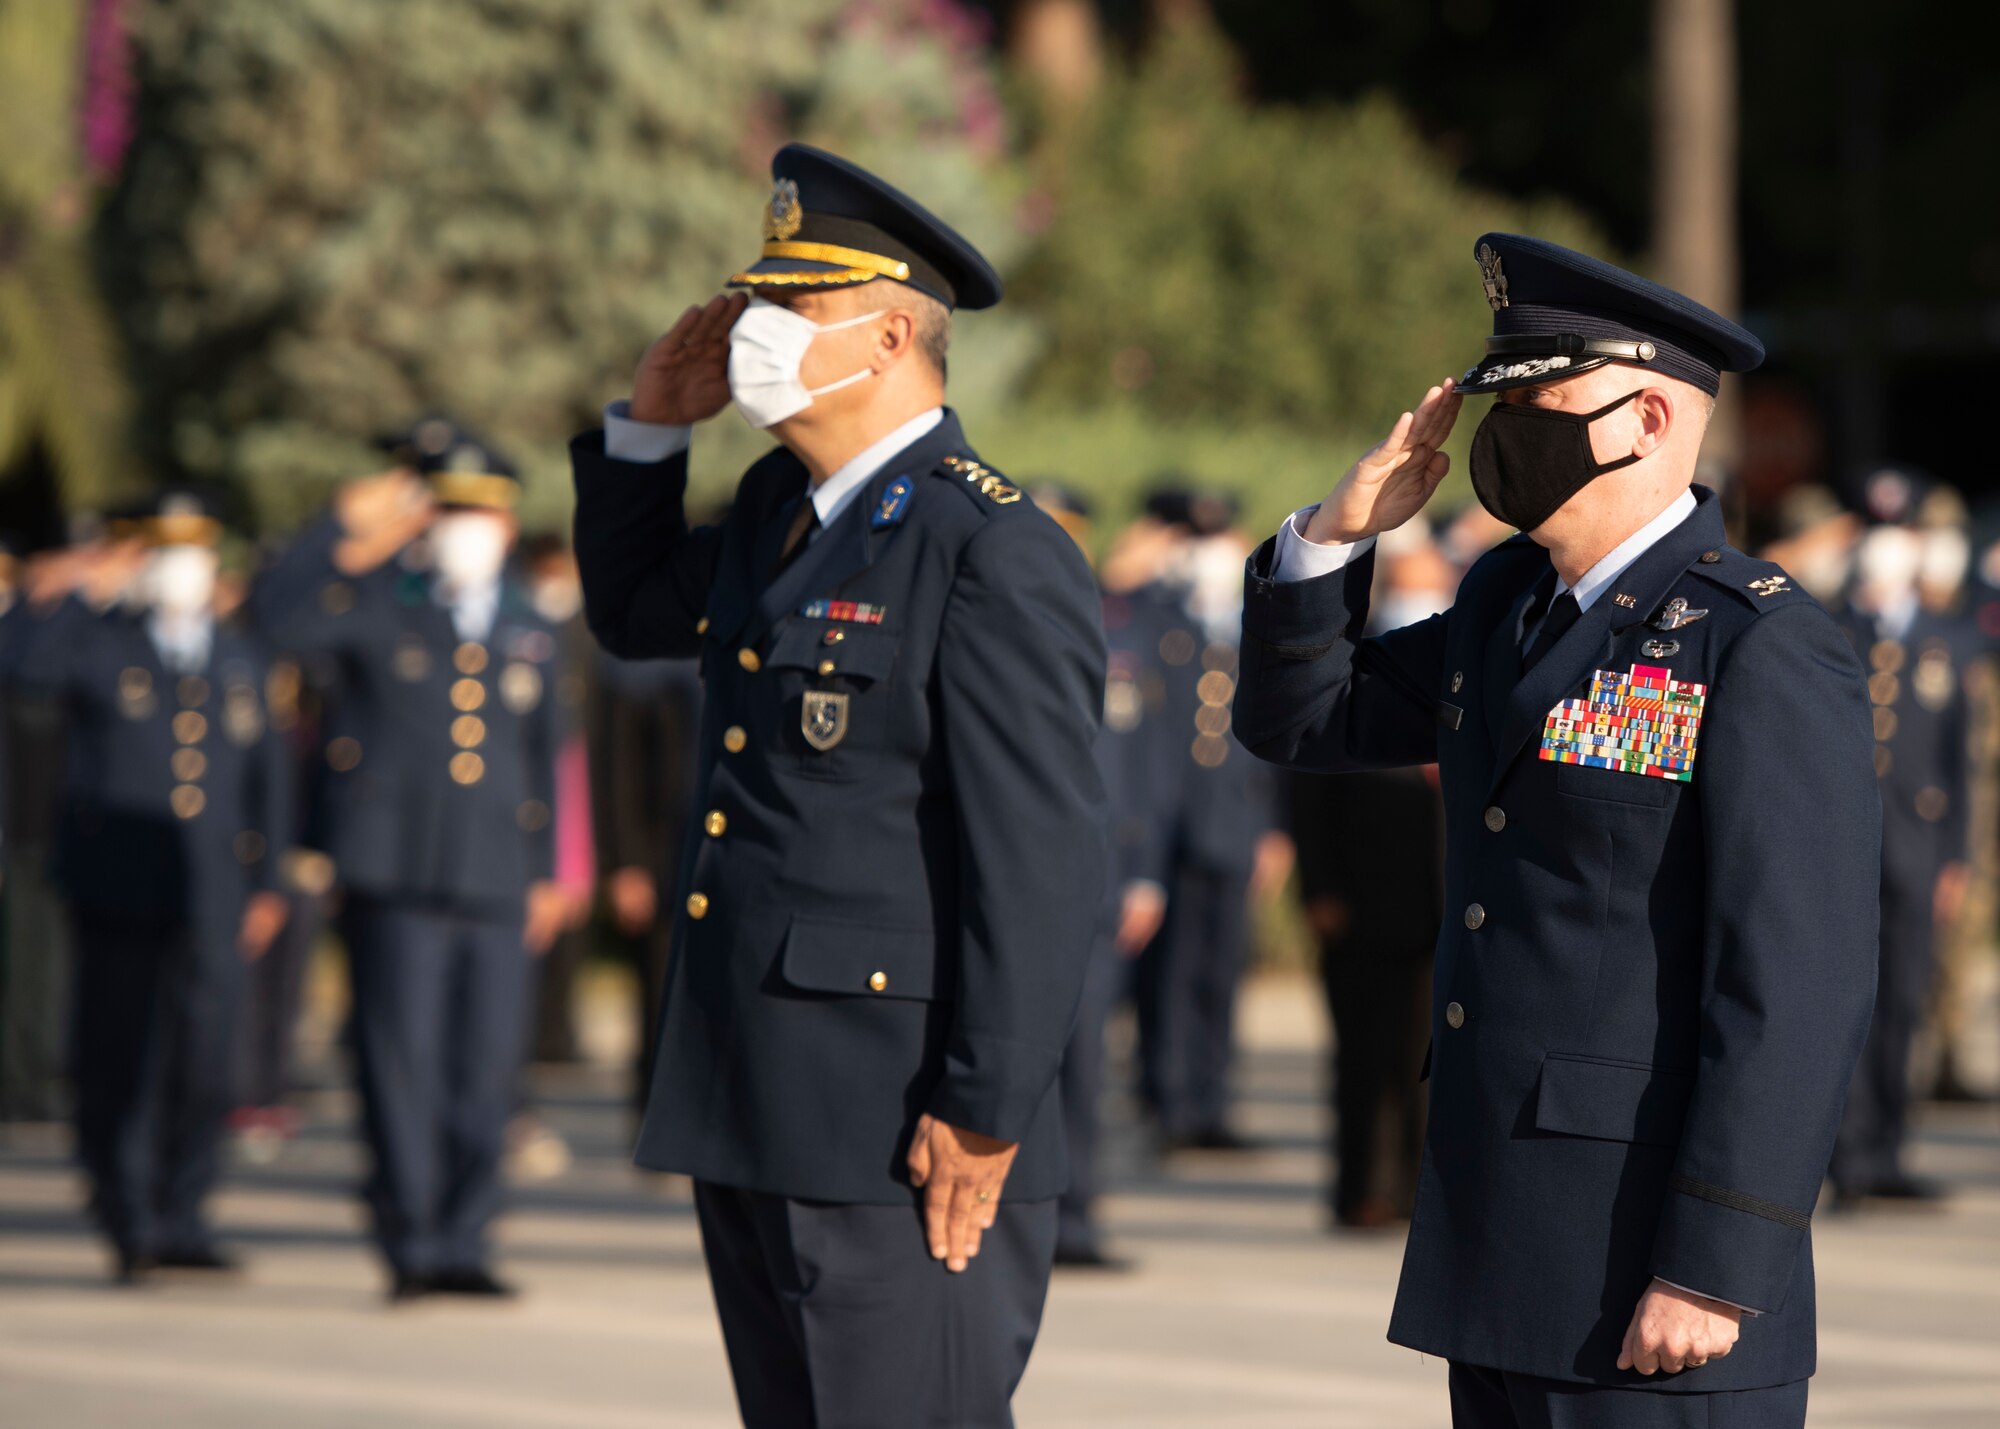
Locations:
1492 278
785 214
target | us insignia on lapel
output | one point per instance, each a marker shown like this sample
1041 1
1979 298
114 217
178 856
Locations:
1639 721
823 719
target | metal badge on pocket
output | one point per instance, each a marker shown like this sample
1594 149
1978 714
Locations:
823 720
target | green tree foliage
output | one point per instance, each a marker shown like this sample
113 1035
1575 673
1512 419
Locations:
1232 278
341 213
61 386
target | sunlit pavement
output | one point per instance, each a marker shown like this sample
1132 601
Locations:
1243 1311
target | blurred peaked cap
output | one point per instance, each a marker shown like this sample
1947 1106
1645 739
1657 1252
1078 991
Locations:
181 517
831 224
1892 495
463 468
1054 497
1558 313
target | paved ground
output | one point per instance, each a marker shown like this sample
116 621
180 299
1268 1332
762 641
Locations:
1244 1313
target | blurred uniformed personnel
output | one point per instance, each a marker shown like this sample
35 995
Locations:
174 813
887 906
438 819
1662 859
1137 758
1922 759
1224 834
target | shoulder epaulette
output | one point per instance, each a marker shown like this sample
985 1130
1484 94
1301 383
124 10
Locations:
1762 585
978 479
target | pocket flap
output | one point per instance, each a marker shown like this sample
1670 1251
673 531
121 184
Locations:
864 960
865 651
1614 786
1612 1101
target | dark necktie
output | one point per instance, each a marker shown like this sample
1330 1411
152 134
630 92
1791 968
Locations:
1564 613
804 521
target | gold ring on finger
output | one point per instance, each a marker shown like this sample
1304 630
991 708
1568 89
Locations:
984 1196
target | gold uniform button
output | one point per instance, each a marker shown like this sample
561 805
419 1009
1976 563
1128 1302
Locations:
701 626
747 658
469 658
188 765
193 690
697 906
467 694
468 731
190 726
187 800
1474 915
717 823
827 667
1496 818
734 739
879 982
467 767
1454 1014
834 637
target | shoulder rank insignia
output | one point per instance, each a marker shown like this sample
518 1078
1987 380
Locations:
1770 585
895 502
1675 613
982 478
1491 277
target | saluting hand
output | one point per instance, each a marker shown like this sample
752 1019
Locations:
960 1173
684 376
1393 479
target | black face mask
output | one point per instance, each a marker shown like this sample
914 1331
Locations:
1527 461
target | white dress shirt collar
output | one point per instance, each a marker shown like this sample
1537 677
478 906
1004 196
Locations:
1599 577
473 609
182 642
837 492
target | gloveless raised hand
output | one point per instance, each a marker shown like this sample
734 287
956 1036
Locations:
684 376
1393 479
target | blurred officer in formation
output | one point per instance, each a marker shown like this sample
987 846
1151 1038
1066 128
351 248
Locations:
645 722
438 821
1223 833
1662 862
1922 769
1371 862
1136 756
174 804
889 901
35 972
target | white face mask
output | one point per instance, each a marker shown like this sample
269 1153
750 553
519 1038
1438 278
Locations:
179 580
468 547
766 348
557 599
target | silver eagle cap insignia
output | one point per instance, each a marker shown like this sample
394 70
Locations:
1675 614
823 718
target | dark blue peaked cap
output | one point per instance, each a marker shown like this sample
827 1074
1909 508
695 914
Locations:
463 468
830 224
1557 312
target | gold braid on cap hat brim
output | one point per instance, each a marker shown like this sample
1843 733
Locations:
857 265
179 529
476 488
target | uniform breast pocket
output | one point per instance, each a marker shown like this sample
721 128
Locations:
1614 786
835 680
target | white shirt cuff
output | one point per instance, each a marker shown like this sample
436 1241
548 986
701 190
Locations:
1753 1314
1301 560
629 440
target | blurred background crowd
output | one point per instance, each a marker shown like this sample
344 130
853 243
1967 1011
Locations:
239 242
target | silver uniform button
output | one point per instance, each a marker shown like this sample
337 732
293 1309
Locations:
1496 818
1474 915
1454 1014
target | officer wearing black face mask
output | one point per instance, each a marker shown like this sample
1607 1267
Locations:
1662 841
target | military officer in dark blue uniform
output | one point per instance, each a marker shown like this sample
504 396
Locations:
1662 844
1922 765
437 812
888 906
167 853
